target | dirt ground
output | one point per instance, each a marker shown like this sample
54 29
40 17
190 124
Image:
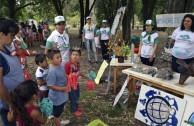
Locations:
97 104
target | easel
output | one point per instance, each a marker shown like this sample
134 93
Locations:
114 30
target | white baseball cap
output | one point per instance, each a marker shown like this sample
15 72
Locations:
88 17
104 21
59 19
150 22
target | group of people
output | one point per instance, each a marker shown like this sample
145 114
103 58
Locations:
182 41
58 72
103 36
32 33
19 97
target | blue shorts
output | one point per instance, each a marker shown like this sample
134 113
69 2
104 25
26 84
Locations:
57 110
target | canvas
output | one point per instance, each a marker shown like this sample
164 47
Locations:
156 107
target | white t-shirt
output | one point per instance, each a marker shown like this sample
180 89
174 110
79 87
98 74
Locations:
184 44
148 44
41 74
60 41
104 33
89 31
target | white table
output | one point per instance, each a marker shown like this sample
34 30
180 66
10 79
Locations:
114 63
169 85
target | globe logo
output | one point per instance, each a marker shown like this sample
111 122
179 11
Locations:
158 109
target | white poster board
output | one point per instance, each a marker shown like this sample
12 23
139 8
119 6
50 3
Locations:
156 107
117 20
188 117
170 20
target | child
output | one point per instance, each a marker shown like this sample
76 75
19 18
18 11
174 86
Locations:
46 33
39 33
41 74
23 98
30 36
20 49
56 81
72 69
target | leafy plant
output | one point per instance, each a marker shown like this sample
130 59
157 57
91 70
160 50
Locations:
120 48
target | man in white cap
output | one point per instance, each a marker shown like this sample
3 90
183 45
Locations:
104 39
89 33
59 39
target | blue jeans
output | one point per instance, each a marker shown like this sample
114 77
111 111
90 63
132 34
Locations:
74 99
90 42
5 121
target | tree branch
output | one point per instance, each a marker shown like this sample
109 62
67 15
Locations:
19 8
92 6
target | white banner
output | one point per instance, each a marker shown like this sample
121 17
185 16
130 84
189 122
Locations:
170 20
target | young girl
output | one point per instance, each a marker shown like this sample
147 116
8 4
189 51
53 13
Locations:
72 69
57 83
20 50
46 33
148 44
30 36
23 98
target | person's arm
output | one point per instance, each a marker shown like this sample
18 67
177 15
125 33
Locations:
48 46
59 88
140 46
156 41
51 83
67 69
153 52
172 41
4 95
41 82
37 115
10 116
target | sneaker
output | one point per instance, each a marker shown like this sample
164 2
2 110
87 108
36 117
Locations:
80 109
50 117
64 122
89 61
77 113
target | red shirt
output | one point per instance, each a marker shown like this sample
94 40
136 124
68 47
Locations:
28 110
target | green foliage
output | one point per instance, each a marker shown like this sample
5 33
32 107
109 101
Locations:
114 112
106 10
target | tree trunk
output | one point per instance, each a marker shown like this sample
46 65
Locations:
179 6
58 6
124 22
130 15
148 8
87 8
81 3
11 6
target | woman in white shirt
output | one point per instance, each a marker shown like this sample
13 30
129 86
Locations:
148 44
104 39
183 42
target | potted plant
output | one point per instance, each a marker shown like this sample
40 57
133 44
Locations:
120 50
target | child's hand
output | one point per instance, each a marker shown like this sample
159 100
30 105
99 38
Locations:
79 77
66 89
34 53
10 115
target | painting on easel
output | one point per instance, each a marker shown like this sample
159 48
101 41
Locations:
156 107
